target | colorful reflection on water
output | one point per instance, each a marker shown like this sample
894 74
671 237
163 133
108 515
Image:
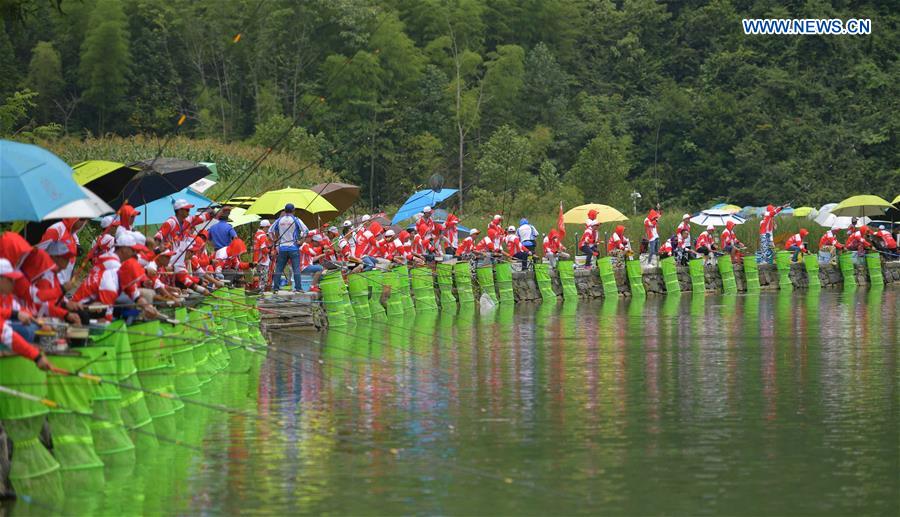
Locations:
778 403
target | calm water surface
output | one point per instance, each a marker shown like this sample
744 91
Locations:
777 403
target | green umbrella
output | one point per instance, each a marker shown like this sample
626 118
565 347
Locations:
860 206
311 208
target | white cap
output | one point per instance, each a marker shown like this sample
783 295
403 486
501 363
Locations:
7 270
57 249
126 239
497 217
316 237
181 203
264 223
106 221
427 210
686 216
881 227
151 266
710 227
366 217
511 229
347 224
473 231
389 233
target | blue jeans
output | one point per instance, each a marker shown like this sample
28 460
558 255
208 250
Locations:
765 254
280 262
368 263
26 331
796 250
652 249
313 269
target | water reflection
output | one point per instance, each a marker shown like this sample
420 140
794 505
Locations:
765 403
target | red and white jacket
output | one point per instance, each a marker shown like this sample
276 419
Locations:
12 340
62 231
856 239
466 246
365 243
767 225
666 246
175 232
486 245
830 240
513 244
101 284
888 239
795 240
728 238
616 242
705 240
262 245
685 225
588 238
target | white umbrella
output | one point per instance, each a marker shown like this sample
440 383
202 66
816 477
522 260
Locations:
828 220
88 208
716 218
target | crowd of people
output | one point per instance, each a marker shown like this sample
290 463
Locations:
124 273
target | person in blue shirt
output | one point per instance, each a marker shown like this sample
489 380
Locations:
222 233
288 233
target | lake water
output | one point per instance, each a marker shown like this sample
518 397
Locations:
769 404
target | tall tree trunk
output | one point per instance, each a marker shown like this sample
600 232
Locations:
372 160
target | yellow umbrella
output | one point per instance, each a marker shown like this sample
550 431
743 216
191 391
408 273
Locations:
896 201
605 214
859 206
731 208
311 208
803 211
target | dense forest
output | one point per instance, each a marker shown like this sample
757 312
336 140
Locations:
521 102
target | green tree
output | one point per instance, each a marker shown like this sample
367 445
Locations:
45 78
9 68
504 164
105 61
601 171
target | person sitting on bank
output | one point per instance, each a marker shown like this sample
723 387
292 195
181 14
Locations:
310 254
795 243
667 250
706 243
515 250
588 241
829 246
885 243
554 249
683 251
10 339
618 246
730 243
858 242
467 246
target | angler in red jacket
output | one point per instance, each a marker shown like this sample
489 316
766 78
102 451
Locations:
730 243
766 235
514 248
554 249
618 245
857 241
651 233
450 234
65 231
48 292
706 241
467 246
11 319
885 242
795 243
588 241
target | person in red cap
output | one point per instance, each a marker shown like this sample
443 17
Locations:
496 225
651 233
618 245
588 241
766 253
795 243
450 234
177 232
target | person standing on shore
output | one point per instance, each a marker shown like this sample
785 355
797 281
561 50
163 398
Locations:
651 233
222 233
262 247
289 232
766 253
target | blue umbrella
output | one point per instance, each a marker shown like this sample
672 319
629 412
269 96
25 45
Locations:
420 200
156 212
33 182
